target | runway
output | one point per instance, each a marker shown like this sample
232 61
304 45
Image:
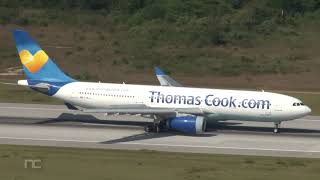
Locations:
51 125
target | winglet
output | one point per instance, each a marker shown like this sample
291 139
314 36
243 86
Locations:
164 79
158 71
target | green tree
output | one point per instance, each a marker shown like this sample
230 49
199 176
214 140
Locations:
296 6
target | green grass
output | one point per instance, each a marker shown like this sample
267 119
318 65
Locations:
83 164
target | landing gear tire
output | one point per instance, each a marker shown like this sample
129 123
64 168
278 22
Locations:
148 128
153 128
276 128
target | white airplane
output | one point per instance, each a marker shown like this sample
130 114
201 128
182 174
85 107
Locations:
172 106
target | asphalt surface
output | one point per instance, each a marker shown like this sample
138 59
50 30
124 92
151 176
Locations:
48 125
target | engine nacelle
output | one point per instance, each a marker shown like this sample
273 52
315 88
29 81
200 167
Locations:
187 124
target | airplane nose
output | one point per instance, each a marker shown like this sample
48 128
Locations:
308 110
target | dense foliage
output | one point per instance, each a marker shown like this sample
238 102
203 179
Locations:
142 29
219 17
191 7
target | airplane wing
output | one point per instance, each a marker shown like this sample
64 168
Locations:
164 79
144 110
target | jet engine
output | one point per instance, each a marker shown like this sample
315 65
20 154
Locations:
187 124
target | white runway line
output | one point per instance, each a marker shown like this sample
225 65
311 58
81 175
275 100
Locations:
54 140
45 109
307 120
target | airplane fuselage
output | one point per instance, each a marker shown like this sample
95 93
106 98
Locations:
216 104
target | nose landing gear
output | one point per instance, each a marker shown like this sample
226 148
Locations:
148 128
276 127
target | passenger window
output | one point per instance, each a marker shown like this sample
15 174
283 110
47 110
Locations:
294 104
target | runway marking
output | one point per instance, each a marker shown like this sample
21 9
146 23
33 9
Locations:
45 109
54 140
312 120
166 145
308 121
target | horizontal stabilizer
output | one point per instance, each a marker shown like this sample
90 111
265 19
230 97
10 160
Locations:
25 83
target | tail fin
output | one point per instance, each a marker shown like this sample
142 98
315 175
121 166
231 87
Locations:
37 65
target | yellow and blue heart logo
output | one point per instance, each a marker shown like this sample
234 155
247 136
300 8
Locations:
33 62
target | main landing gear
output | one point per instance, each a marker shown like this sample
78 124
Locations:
159 124
276 127
156 127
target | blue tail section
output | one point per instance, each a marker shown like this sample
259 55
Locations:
37 65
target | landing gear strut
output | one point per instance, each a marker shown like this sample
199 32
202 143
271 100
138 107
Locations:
157 126
148 128
276 127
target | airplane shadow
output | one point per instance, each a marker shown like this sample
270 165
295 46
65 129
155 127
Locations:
137 137
90 119
68 117
145 136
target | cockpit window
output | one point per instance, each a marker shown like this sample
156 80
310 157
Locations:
298 104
